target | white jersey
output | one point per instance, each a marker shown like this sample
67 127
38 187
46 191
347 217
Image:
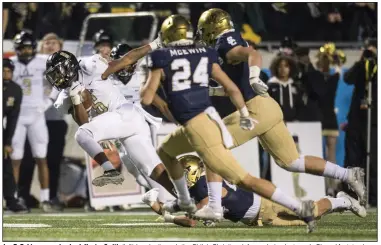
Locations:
105 95
131 91
31 79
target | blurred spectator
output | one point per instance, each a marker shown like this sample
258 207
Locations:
363 75
310 81
329 120
12 96
282 87
361 22
21 16
55 122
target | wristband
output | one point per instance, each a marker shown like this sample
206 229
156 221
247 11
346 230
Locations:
216 91
255 71
244 112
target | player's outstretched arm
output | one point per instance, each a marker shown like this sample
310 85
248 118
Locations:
246 122
130 58
148 92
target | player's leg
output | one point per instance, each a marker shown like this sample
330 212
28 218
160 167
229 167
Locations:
142 154
18 143
109 125
39 138
205 137
172 146
279 143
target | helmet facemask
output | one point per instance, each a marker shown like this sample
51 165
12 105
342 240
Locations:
61 75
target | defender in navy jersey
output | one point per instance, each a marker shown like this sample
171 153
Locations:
184 71
241 63
247 207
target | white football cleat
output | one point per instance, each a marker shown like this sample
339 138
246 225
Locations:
356 183
355 207
150 197
209 214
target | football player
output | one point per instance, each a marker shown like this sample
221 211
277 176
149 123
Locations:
241 63
184 71
103 113
28 73
246 207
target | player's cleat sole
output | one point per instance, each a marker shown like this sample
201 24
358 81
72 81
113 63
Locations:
355 207
109 177
356 183
307 215
206 213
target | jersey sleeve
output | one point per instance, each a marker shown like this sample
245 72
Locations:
213 56
157 59
229 41
200 189
93 64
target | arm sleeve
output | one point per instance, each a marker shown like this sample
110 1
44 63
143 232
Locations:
13 117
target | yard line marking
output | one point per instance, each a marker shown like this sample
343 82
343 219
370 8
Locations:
137 224
6 225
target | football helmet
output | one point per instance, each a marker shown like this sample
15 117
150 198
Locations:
102 37
24 39
176 28
61 69
193 168
117 52
212 23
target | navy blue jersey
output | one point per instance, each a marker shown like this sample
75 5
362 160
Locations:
236 202
239 73
187 70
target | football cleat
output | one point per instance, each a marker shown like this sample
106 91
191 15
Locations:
46 207
150 197
109 177
355 207
356 183
177 206
208 213
307 215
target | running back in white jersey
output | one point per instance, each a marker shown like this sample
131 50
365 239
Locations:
105 95
30 77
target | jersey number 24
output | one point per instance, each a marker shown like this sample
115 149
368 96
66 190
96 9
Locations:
182 78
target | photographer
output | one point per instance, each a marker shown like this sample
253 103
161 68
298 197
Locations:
363 75
12 96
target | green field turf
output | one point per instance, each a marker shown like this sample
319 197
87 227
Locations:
125 226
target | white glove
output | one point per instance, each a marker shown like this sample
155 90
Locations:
156 44
75 93
168 217
255 82
246 122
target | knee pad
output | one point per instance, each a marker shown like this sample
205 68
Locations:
297 165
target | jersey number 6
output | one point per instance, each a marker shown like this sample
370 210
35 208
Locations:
181 79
